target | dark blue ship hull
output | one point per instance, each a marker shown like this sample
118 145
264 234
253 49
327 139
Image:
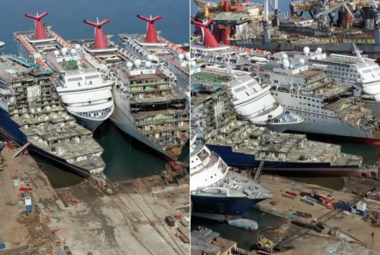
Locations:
10 131
221 208
247 161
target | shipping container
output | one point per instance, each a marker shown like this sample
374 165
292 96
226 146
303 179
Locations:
28 200
28 208
342 206
22 194
313 200
291 193
2 246
361 213
361 206
170 221
184 223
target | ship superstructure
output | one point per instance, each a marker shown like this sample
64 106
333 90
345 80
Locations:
148 107
216 192
361 72
327 106
31 112
244 145
252 100
84 90
209 50
171 59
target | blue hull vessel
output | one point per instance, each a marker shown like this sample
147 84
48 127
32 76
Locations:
11 132
247 161
221 208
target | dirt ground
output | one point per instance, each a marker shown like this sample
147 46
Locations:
353 224
86 220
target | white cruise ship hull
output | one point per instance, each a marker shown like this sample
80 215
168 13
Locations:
90 124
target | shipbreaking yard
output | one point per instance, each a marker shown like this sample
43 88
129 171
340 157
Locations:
344 232
83 220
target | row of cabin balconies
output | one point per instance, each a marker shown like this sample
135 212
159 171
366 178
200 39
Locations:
146 82
174 119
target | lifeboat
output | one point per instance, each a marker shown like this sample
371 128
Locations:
42 63
25 43
61 40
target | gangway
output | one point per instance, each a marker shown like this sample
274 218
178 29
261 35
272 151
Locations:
258 171
331 214
19 150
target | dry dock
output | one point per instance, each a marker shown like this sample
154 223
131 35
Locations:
82 219
353 228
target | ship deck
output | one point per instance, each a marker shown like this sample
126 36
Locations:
237 186
67 66
68 147
352 111
268 146
209 77
43 47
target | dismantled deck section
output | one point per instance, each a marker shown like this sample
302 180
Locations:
223 128
35 106
158 111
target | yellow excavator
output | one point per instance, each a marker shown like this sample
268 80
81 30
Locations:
265 244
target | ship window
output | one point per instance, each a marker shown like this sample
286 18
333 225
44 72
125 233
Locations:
75 79
308 104
292 96
92 77
304 97
313 100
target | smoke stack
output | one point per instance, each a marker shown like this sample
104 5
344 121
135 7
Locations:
208 39
151 33
39 26
100 38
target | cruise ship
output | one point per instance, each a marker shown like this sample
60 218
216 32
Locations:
252 101
172 59
358 71
147 107
327 106
85 90
216 192
244 145
32 116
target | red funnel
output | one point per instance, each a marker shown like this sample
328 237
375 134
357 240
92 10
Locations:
151 33
208 39
39 27
100 38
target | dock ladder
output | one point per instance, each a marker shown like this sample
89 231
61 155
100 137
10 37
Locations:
258 171
19 150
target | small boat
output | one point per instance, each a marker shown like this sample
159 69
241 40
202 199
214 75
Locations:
245 224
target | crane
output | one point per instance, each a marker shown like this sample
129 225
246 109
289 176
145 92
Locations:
277 11
325 11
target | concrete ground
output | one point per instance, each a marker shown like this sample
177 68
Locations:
85 220
121 224
352 224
